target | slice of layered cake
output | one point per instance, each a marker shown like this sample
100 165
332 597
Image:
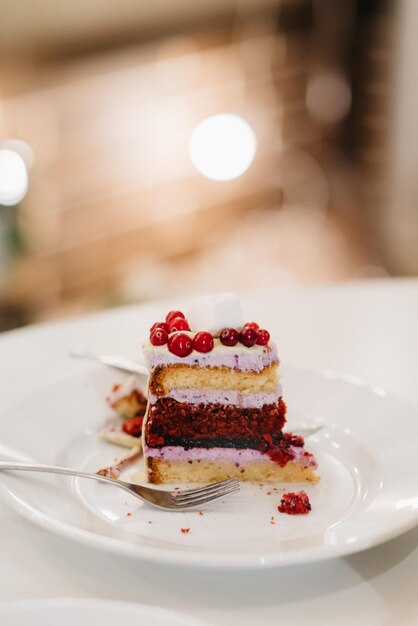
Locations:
215 405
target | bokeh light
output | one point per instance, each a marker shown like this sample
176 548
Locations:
222 147
22 148
13 177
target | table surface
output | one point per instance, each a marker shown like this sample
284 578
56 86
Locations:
367 329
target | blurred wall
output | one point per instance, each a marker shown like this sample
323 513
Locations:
106 97
401 222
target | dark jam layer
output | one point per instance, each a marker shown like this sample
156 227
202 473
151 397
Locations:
154 441
173 423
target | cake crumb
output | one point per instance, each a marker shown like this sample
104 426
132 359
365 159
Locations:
128 514
272 520
185 531
295 503
200 512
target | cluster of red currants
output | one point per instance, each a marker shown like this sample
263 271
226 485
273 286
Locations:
250 335
181 344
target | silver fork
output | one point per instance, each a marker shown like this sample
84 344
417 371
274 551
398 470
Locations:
113 360
172 500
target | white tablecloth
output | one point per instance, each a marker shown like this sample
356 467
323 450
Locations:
367 329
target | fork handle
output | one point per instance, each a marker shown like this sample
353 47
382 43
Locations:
56 469
118 362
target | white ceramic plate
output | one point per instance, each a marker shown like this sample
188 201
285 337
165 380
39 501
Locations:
368 491
68 611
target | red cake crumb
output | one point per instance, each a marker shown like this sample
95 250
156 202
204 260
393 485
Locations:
294 440
272 520
295 503
133 426
185 531
200 512
129 514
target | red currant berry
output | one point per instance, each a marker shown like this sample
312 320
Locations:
248 336
203 342
172 314
163 325
178 323
180 344
253 325
263 337
229 337
159 337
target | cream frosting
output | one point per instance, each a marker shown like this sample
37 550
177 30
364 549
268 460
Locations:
234 455
237 357
223 396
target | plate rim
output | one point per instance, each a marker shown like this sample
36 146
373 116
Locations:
215 560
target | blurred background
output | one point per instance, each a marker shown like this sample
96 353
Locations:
158 147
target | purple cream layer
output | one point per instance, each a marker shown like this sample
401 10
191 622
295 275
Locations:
238 357
218 396
233 455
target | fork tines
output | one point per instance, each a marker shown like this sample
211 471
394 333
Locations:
208 493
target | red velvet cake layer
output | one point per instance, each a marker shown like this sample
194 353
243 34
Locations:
170 421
